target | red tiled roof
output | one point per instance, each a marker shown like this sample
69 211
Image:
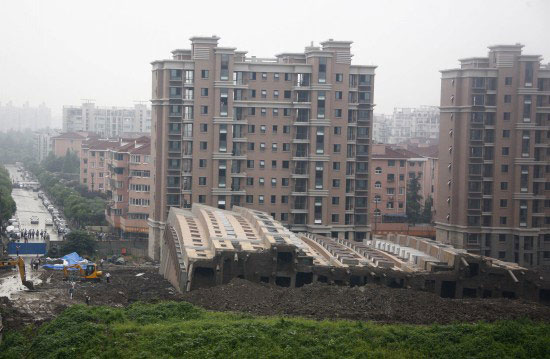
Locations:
70 136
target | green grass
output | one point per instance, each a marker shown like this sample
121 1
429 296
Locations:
180 330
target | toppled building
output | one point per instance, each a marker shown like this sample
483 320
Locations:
206 246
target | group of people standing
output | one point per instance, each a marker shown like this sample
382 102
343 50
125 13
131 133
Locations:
31 233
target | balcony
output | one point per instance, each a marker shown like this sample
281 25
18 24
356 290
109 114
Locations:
300 154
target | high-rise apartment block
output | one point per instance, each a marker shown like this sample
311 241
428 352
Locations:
407 123
18 118
107 121
288 135
494 156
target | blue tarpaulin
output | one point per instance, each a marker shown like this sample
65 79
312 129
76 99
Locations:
68 260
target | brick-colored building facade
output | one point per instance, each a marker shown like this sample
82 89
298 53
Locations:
494 173
391 170
122 169
289 135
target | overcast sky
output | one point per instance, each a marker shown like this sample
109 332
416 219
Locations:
60 52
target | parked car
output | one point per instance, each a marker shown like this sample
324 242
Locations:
48 222
35 220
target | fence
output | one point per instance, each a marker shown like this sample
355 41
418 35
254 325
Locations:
26 248
136 248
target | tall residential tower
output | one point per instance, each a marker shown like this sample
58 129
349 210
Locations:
494 156
288 135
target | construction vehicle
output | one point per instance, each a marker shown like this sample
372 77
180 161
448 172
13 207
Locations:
20 263
90 272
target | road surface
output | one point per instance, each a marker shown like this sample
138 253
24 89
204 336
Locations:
28 205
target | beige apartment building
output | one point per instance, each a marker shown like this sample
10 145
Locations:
68 141
121 168
391 170
494 172
288 135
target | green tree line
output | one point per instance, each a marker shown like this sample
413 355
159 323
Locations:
7 204
416 211
16 146
80 210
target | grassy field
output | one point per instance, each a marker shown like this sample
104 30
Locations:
180 330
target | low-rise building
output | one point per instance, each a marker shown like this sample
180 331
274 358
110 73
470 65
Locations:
392 169
129 187
43 144
68 141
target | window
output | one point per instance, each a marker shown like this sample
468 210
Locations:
507 98
338 113
261 199
202 181
262 164
285 182
263 111
287 94
286 164
504 168
275 93
249 199
204 92
504 186
275 112
203 127
339 77
264 75
337 148
378 184
262 146
203 145
286 129
322 69
391 163
378 170
503 203
264 93
321 104
286 112
249 163
505 151
336 183
252 76
338 95
337 130
503 220
507 81
506 133
274 147
506 116
262 128
139 202
224 70
336 166
202 163
204 110
250 181
286 147
204 74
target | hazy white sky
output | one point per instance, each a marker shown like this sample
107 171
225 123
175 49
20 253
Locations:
60 52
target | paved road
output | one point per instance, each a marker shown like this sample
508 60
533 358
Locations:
28 205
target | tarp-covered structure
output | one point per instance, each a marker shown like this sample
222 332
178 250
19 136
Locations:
68 260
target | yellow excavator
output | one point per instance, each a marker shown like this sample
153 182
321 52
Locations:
88 273
21 265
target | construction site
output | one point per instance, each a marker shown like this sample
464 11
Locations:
244 261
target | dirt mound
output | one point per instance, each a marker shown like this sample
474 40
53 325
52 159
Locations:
369 302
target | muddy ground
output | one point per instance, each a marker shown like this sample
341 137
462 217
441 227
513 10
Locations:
318 301
369 302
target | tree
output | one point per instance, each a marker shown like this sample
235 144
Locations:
414 198
80 242
427 212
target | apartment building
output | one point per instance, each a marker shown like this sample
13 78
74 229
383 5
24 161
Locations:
407 123
43 144
18 118
121 168
391 170
129 187
68 141
494 152
107 121
287 135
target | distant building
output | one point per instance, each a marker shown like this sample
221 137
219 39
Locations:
407 123
19 118
107 121
43 144
392 168
69 141
494 178
121 168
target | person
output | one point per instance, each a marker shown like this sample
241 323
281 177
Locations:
71 291
17 250
101 263
87 300
108 277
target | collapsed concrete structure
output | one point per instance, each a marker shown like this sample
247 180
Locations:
206 246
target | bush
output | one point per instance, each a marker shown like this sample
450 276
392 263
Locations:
80 242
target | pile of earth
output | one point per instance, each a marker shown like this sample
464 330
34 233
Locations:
369 302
